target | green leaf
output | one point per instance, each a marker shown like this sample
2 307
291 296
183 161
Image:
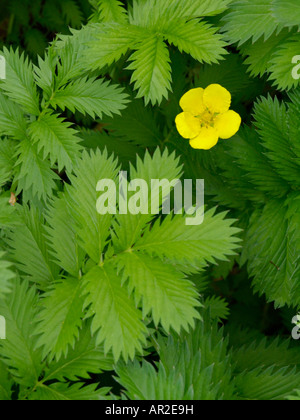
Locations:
197 39
6 275
64 392
218 307
29 249
61 236
267 384
109 42
19 83
249 19
287 12
116 321
273 125
281 65
152 71
72 13
214 240
155 14
137 124
111 11
12 121
60 318
33 172
44 72
55 137
202 358
266 352
7 160
161 166
143 382
17 351
247 153
124 150
85 359
272 249
35 41
164 292
5 384
261 52
8 214
195 366
91 228
92 97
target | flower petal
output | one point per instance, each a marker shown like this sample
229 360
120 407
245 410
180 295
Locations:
227 124
192 101
187 125
207 139
217 99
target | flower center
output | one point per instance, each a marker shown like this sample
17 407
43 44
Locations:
207 118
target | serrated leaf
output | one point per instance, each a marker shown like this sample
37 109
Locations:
111 11
197 39
61 236
164 292
29 249
116 321
84 359
56 139
64 392
6 275
161 166
91 228
92 97
287 12
152 71
249 19
173 239
12 121
33 172
60 318
17 351
19 83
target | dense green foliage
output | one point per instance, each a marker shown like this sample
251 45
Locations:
141 306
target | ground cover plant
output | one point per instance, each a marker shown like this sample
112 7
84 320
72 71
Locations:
97 303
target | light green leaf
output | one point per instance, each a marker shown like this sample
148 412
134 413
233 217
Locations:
164 292
214 240
64 392
29 249
92 97
91 228
60 318
19 83
116 321
33 172
86 358
17 351
55 137
152 71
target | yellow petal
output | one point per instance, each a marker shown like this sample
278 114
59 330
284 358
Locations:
217 99
207 138
187 125
192 101
227 124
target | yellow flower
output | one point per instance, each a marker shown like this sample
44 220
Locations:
206 117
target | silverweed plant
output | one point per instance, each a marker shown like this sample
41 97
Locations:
139 304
